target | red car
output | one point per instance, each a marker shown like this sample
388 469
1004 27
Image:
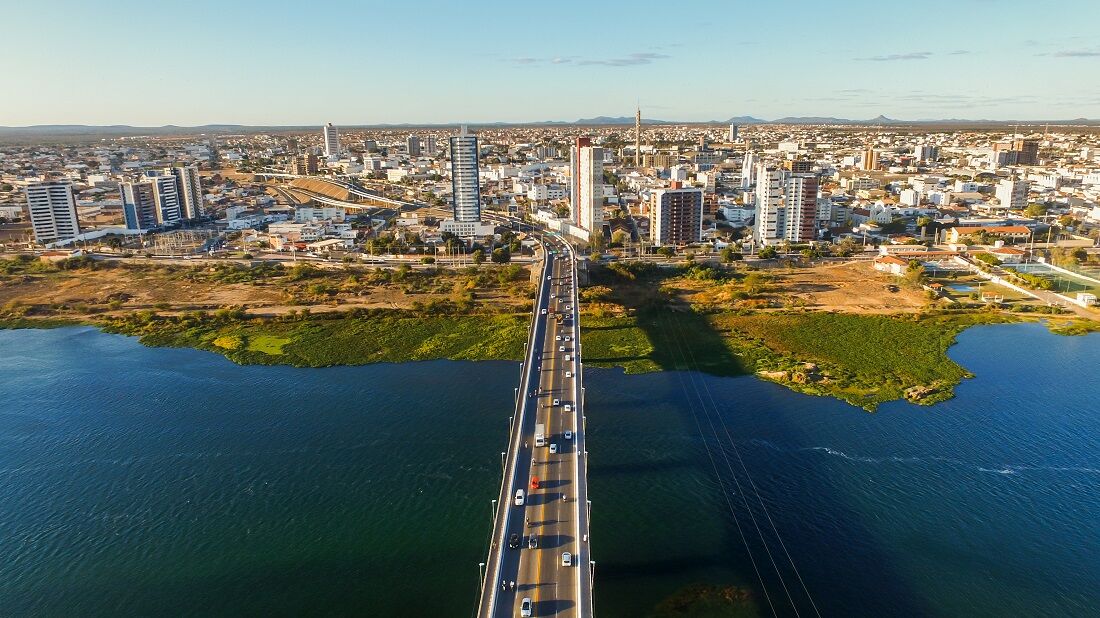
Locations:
534 482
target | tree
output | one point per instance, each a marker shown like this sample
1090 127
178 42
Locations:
1035 210
914 273
479 256
768 252
618 237
666 251
501 255
729 255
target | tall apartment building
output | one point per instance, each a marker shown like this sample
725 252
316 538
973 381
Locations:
870 159
305 164
1012 193
138 205
926 152
748 167
190 190
800 220
430 146
586 191
676 215
464 177
1027 151
770 223
52 208
153 201
733 133
798 166
412 145
332 141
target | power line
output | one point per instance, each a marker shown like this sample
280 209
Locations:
760 499
733 473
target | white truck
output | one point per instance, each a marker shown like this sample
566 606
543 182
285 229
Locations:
540 435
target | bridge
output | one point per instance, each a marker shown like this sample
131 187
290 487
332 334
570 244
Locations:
539 562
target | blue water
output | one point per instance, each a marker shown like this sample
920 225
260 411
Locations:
163 481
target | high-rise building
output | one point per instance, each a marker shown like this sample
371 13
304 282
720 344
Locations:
190 190
770 224
926 152
412 144
153 201
870 159
748 168
430 146
732 134
676 215
798 166
1012 193
464 177
586 192
166 197
306 164
800 217
332 141
52 208
138 205
1027 151
370 145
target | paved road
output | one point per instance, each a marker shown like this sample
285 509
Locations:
554 512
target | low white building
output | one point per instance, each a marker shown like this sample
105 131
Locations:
467 229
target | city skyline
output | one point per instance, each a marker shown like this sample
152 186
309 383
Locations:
985 61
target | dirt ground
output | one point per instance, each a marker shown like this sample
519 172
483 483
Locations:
852 287
118 291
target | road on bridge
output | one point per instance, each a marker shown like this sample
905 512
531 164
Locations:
546 461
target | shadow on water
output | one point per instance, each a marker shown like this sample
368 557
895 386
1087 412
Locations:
683 340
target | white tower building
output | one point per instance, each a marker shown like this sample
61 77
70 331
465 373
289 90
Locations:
52 208
332 141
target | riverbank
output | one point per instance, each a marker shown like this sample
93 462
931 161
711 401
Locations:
640 318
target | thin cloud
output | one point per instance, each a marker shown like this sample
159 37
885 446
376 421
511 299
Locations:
960 52
1076 53
634 59
893 57
627 61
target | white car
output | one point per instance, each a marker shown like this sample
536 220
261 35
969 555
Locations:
566 559
569 435
567 337
525 607
558 338
553 448
569 374
548 277
543 312
568 408
561 348
519 497
557 402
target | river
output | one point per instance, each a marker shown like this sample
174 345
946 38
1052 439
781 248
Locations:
147 481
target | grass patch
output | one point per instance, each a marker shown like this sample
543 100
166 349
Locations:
268 344
353 338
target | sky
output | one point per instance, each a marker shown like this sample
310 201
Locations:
308 62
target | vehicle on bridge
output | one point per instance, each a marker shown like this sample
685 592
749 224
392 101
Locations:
534 482
525 608
540 435
519 497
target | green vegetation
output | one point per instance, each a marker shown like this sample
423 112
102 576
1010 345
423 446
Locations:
865 360
322 340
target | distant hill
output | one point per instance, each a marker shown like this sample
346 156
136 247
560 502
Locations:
59 131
